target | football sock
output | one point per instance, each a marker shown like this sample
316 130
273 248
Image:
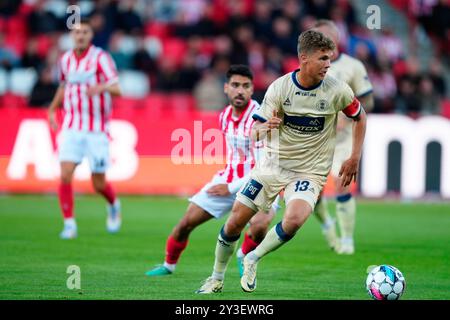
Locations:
274 239
224 250
174 249
248 244
322 213
346 212
70 222
109 193
65 195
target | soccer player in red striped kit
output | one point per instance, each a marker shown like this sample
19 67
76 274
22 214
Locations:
88 79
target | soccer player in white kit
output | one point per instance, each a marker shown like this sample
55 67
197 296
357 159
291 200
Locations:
88 79
299 117
216 198
352 72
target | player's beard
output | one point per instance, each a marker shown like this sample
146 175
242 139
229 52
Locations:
238 103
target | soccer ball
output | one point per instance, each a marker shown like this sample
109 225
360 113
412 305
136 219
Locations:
385 282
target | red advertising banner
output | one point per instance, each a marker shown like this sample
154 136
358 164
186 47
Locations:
154 150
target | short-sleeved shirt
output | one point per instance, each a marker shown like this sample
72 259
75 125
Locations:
306 137
78 73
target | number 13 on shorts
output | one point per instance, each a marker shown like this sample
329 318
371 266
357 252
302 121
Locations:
301 186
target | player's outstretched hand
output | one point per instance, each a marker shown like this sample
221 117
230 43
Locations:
220 190
349 171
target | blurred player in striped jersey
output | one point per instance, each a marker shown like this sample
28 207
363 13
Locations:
88 79
216 198
352 72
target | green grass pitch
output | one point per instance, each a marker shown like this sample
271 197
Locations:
414 237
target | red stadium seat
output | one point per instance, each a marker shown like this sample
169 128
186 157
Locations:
158 29
10 100
445 105
174 48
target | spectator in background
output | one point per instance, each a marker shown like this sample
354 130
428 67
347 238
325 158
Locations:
407 101
9 7
122 59
31 58
436 74
384 87
43 90
8 58
283 36
129 20
168 77
41 20
428 97
208 92
389 44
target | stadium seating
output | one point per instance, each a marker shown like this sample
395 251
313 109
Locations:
134 84
22 80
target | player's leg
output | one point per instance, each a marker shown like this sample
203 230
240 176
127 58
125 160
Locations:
327 223
301 194
178 239
297 211
259 224
71 151
66 200
346 214
226 244
97 151
104 188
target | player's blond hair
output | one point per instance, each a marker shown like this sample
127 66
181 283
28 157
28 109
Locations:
311 40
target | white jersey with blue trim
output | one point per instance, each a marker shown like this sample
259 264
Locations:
352 72
305 140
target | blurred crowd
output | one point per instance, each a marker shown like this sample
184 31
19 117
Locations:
187 46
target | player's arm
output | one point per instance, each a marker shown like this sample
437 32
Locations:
112 88
262 126
56 102
349 168
108 70
267 117
367 101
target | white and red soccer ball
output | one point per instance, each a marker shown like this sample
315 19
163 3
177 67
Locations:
385 282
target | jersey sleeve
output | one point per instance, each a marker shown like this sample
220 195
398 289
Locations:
107 68
360 83
270 103
347 102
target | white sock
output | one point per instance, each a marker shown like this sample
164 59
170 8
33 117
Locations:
274 239
225 247
169 266
322 213
346 212
70 222
239 253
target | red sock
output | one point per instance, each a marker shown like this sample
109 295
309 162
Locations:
174 249
65 195
249 244
109 193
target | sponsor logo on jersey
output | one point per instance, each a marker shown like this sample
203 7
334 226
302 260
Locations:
305 94
304 124
287 102
252 189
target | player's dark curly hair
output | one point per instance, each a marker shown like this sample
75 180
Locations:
312 40
239 69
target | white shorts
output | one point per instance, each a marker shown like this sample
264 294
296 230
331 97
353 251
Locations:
75 145
264 185
215 205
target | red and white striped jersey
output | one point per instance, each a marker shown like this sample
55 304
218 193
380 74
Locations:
78 73
240 153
